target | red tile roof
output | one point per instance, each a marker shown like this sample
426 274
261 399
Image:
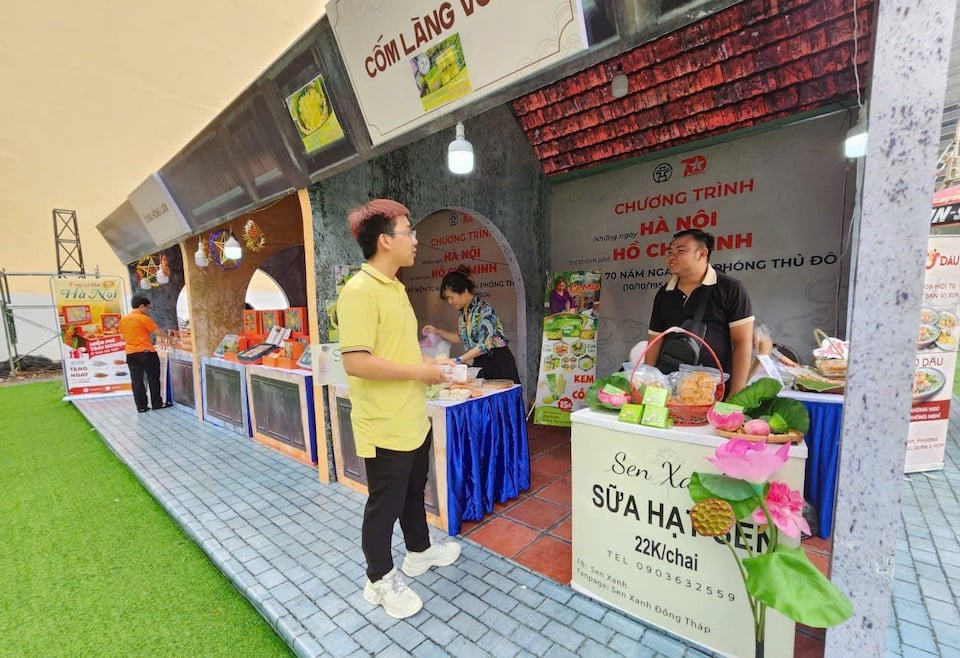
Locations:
751 63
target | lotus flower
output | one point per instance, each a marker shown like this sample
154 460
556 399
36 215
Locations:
786 510
749 460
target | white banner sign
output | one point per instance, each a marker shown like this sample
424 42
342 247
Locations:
936 356
775 202
158 211
424 55
634 547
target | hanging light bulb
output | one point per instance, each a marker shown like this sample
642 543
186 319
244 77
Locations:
162 278
145 283
619 85
232 248
460 153
200 256
855 145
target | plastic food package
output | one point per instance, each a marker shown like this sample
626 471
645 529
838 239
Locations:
698 387
762 340
645 375
435 347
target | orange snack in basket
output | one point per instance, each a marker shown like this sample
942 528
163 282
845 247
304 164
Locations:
697 388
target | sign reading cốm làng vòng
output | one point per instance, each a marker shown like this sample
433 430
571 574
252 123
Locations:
430 56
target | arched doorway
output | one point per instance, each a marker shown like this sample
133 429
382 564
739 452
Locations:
451 237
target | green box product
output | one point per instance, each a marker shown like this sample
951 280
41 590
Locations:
655 416
726 407
630 413
655 395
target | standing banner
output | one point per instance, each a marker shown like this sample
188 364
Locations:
92 351
936 356
568 354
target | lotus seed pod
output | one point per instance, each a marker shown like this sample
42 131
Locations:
712 517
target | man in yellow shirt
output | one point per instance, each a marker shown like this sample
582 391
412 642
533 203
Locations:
137 329
387 378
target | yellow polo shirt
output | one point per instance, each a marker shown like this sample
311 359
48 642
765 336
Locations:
376 316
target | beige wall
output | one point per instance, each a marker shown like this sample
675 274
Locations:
101 94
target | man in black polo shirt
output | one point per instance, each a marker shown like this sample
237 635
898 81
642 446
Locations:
728 315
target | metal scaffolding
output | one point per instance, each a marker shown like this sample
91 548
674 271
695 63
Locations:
8 310
67 237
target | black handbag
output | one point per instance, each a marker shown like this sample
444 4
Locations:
677 348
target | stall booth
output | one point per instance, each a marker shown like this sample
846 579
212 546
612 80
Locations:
480 455
251 378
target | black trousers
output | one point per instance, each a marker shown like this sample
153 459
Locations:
145 363
396 482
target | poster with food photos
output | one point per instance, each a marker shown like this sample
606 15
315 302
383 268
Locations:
568 354
936 362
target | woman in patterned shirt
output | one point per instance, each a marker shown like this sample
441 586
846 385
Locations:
480 331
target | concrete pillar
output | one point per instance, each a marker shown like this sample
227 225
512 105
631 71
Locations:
906 94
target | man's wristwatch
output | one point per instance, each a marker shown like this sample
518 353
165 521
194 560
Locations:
459 360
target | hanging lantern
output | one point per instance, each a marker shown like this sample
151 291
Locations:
253 236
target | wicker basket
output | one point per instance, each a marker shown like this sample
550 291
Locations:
683 415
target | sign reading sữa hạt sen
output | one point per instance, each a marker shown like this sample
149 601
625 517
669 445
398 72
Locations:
635 549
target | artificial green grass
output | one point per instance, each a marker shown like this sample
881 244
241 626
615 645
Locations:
90 564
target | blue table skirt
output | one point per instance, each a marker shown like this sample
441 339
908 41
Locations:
823 450
488 459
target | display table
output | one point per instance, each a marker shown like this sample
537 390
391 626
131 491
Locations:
823 443
282 411
634 547
225 402
488 456
481 444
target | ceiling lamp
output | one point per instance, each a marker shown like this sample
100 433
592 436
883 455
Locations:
619 85
232 248
145 284
460 153
200 256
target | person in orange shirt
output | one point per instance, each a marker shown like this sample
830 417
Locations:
137 329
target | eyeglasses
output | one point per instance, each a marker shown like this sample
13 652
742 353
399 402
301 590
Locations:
412 233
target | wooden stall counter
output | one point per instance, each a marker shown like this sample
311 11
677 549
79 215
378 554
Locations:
282 413
633 544
182 387
480 445
225 402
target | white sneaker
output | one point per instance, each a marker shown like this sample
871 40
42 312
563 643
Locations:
398 600
438 555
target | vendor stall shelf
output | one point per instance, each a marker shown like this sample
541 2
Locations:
480 454
633 544
282 411
225 402
181 380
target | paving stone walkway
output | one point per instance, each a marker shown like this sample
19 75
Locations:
291 546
